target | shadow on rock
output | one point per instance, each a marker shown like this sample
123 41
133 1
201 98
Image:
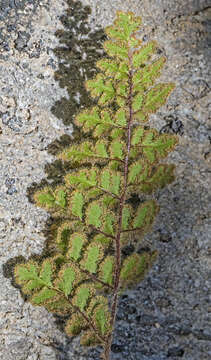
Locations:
79 48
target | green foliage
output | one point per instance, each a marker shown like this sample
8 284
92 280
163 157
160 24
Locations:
145 215
93 209
134 268
77 202
68 277
51 199
106 270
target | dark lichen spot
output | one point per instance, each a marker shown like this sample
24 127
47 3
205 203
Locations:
79 49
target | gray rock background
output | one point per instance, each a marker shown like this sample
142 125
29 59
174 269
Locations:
41 74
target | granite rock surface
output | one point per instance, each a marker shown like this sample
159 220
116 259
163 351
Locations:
47 49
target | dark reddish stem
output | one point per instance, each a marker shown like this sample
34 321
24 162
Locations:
107 349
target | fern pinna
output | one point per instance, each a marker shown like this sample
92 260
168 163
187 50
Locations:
95 217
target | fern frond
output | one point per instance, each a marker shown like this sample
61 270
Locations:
77 242
98 216
135 267
63 234
103 89
124 26
83 293
152 145
94 212
50 199
145 215
111 68
92 256
145 77
116 49
127 215
138 172
161 176
142 55
82 179
106 270
77 203
156 97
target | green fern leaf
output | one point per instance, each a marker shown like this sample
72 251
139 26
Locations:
117 134
145 215
142 55
137 102
106 270
27 276
145 77
46 272
85 152
25 272
93 210
108 227
110 181
160 177
121 118
83 293
100 130
77 202
82 179
137 135
88 119
92 257
59 305
102 88
115 183
93 214
116 150
126 217
31 285
135 266
111 68
68 276
105 179
101 149
108 66
123 72
101 319
157 146
156 97
41 297
117 50
125 25
61 198
138 172
63 235
45 198
102 239
76 245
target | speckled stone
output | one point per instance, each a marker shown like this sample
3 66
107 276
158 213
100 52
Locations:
167 316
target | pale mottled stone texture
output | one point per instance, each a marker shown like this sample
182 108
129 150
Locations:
168 315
